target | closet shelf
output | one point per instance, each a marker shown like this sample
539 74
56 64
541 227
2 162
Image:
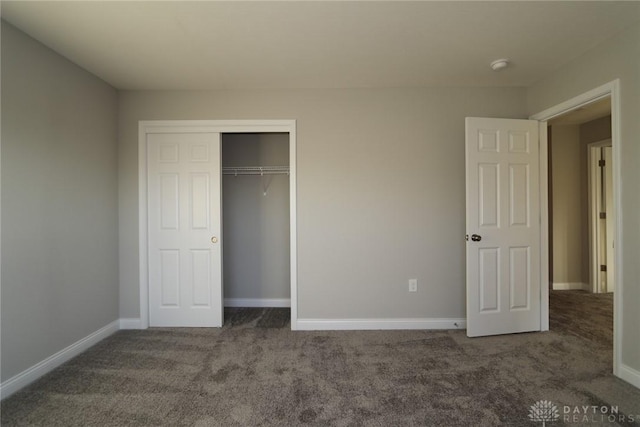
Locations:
255 170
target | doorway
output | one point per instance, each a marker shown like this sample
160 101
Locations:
609 90
581 226
581 231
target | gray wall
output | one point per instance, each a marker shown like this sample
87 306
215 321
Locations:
59 203
618 58
256 225
380 190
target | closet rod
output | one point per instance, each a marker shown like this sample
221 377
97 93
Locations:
255 170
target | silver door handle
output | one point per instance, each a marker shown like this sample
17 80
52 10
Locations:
214 239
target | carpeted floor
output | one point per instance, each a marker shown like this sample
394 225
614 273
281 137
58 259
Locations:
583 314
255 371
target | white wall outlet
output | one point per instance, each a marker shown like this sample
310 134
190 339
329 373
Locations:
413 285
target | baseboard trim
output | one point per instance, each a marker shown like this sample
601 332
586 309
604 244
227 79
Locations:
257 302
379 324
31 374
131 324
571 286
630 375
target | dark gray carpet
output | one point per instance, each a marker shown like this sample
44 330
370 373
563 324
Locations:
255 371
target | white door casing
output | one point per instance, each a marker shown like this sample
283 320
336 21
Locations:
184 226
503 226
611 223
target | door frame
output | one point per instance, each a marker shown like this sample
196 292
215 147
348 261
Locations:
612 90
594 210
214 126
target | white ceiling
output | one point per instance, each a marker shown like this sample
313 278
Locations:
333 44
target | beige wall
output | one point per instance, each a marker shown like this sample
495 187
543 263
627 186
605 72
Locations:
256 225
567 213
59 203
595 131
380 190
618 58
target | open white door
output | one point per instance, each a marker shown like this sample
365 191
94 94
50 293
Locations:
503 226
184 252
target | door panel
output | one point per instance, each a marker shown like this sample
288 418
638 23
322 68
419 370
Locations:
519 278
185 268
489 284
519 186
503 212
169 277
489 196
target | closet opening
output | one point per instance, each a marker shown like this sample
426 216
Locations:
256 229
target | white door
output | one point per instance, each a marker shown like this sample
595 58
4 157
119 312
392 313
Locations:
185 257
503 226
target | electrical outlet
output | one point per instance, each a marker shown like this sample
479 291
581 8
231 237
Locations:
413 285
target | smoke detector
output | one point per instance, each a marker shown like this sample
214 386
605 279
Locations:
499 64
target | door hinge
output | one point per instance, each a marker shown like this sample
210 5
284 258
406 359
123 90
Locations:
603 268
601 163
603 215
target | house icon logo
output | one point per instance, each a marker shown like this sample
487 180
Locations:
544 411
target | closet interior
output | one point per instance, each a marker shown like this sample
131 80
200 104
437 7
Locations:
255 218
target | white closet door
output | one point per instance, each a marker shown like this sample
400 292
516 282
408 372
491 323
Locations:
185 256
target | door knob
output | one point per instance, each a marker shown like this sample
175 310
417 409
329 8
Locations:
476 237
214 239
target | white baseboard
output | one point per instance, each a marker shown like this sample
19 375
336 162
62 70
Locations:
378 324
571 286
31 374
629 374
257 302
130 324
